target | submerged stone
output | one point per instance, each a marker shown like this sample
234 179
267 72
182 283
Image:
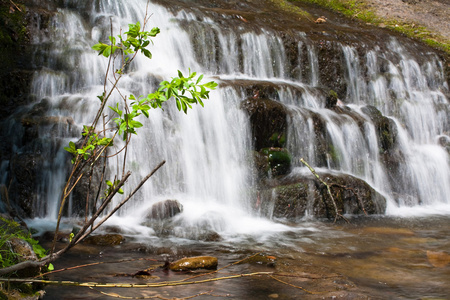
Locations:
105 240
193 263
438 259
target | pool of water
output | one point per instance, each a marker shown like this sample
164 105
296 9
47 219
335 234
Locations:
370 258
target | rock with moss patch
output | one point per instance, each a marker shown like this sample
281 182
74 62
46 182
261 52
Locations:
296 196
278 160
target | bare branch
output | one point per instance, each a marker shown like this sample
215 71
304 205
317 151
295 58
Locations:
337 213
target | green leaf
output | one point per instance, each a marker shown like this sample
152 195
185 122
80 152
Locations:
147 53
112 39
107 51
154 32
211 85
199 79
50 267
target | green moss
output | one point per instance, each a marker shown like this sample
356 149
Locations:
286 6
10 229
359 10
13 24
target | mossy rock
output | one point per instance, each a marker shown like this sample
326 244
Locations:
298 196
386 130
193 263
278 160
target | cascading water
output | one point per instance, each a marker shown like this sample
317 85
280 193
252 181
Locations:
206 150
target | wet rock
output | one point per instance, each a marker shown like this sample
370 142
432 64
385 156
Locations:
24 185
385 128
24 251
212 236
48 236
331 99
261 259
332 70
278 160
296 195
268 122
388 231
438 259
193 263
444 141
198 233
22 248
104 240
87 188
165 209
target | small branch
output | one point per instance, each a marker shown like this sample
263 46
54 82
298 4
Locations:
295 286
115 295
354 193
132 285
126 199
337 213
81 234
93 264
18 8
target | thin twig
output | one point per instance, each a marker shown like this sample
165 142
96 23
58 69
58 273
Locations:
127 198
93 264
337 213
295 286
115 295
132 285
354 193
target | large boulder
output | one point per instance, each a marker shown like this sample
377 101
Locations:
297 196
164 210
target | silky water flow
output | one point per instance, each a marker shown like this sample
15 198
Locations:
207 150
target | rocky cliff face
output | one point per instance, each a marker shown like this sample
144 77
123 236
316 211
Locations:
23 117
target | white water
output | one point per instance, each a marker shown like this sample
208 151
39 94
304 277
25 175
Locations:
206 150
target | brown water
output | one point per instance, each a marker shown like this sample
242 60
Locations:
376 258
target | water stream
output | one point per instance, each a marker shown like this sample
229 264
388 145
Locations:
207 150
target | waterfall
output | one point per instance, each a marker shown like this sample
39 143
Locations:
207 150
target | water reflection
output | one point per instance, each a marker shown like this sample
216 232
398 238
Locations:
376 258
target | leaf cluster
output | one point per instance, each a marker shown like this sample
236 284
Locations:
123 119
135 41
185 90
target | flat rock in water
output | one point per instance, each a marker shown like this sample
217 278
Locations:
104 240
193 263
438 259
